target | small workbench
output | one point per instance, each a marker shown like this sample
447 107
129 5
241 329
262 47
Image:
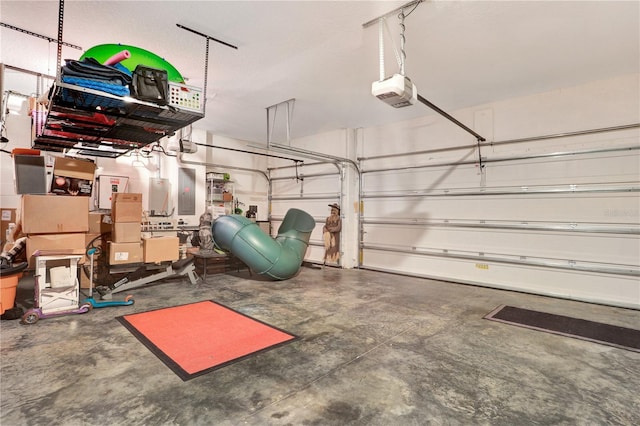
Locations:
209 261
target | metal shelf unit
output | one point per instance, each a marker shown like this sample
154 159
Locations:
100 124
220 195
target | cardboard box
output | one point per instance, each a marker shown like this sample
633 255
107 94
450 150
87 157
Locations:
72 176
99 223
124 253
50 243
126 232
49 214
126 197
161 249
8 216
227 196
126 207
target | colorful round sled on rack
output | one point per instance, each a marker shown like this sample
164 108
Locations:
130 57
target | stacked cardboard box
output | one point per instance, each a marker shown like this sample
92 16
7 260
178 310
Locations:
126 216
54 223
161 249
127 246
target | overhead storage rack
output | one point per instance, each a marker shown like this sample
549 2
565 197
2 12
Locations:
97 123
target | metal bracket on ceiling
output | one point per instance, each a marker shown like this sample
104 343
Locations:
208 37
206 57
58 41
271 119
273 110
31 33
397 9
289 104
59 53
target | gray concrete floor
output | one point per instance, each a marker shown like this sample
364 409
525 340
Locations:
374 349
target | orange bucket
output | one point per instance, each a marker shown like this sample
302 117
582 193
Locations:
8 287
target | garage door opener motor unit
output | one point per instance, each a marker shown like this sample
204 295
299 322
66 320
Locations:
397 91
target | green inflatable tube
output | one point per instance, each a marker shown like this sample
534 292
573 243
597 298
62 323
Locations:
133 57
279 258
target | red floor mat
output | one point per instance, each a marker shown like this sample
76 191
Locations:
200 337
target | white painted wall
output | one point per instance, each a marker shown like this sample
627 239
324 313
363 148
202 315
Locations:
18 131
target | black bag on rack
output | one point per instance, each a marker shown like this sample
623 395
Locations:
150 85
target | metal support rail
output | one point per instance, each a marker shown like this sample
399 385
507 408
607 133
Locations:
564 264
306 165
31 33
29 72
319 220
452 119
305 197
564 189
508 141
208 37
567 134
59 41
486 160
247 152
300 153
313 155
305 175
206 58
594 228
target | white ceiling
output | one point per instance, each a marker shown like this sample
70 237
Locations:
459 53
